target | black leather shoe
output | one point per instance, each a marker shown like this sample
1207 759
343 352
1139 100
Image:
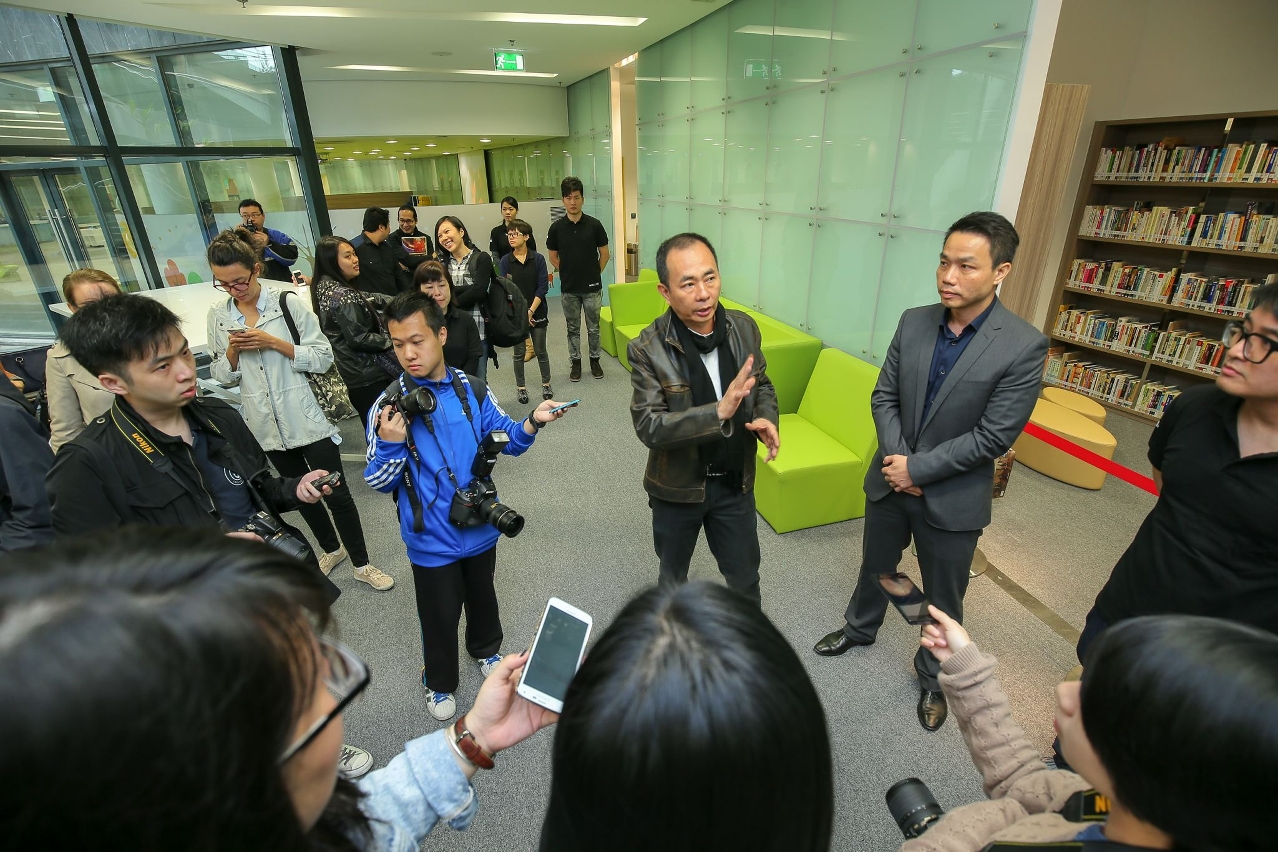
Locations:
932 710
836 643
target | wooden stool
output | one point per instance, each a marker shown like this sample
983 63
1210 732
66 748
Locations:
1058 464
1089 408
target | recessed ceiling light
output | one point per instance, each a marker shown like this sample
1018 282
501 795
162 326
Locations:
375 150
483 17
329 148
430 144
448 152
393 157
485 140
391 141
415 148
357 152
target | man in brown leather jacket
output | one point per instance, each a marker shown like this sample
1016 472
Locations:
702 398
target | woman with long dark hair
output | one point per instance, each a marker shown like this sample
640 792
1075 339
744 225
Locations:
462 349
252 347
203 659
350 321
472 274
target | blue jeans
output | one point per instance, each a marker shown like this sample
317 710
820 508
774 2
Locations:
573 305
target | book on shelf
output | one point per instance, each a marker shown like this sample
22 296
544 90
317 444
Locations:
1125 335
1153 398
1229 297
1097 381
1116 278
1144 221
1253 229
1192 350
1169 160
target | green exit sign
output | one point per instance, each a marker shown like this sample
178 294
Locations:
761 69
506 60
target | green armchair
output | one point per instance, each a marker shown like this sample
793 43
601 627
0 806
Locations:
791 355
825 449
634 307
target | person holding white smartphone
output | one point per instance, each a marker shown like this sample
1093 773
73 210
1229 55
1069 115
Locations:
555 655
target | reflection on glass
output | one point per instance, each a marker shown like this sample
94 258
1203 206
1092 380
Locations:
710 60
30 114
676 74
273 182
22 312
794 151
801 43
579 114
57 243
73 105
172 224
228 97
41 36
862 127
118 239
870 35
648 83
750 49
847 260
134 101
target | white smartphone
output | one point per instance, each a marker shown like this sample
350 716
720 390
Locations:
557 650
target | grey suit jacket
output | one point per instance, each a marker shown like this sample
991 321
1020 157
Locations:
977 414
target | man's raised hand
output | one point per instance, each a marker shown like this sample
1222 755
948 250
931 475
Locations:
735 393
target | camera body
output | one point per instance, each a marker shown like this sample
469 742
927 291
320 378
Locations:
251 227
274 533
476 504
418 402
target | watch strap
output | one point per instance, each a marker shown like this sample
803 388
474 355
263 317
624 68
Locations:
465 741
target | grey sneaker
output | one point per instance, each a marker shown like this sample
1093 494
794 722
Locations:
375 578
329 561
441 705
354 762
487 665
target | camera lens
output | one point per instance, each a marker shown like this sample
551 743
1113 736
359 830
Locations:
507 521
913 806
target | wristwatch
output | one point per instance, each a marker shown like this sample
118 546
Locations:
464 741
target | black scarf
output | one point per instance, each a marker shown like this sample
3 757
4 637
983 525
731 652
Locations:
721 454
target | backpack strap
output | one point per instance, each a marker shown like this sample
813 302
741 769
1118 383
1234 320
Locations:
288 318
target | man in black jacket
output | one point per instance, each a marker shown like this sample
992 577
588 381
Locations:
380 260
160 455
408 228
25 458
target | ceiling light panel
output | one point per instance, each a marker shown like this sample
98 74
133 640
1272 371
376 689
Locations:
270 11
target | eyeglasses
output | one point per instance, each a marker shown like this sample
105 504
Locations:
1256 347
346 678
228 286
514 234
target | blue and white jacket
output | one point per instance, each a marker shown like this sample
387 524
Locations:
455 442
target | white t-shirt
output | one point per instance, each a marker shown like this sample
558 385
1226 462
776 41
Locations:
711 360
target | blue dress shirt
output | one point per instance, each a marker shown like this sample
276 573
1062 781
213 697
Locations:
949 348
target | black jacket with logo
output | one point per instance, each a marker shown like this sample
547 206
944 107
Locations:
113 472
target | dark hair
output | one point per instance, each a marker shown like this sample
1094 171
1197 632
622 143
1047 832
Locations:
326 265
104 336
233 247
189 652
456 223
679 241
410 208
431 270
1264 297
510 199
376 217
252 202
691 725
569 185
1183 713
85 276
521 226
999 232
410 302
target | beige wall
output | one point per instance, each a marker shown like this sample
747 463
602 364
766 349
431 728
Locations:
1147 58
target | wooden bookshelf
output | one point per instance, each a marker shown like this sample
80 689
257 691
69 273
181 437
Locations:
1211 197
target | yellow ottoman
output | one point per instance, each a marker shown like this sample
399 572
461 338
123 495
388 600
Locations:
1072 426
1086 406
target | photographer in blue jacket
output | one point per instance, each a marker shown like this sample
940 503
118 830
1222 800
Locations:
433 438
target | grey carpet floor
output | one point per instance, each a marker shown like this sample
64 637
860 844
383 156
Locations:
588 540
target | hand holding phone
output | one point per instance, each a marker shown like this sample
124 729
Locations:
332 480
906 597
558 408
556 653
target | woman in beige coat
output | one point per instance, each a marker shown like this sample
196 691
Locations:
75 397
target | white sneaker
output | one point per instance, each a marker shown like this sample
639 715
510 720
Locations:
354 762
329 561
375 578
487 665
441 705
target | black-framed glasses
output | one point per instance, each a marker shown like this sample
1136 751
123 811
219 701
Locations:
1256 347
346 678
228 286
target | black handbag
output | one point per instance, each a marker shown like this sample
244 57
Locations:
28 365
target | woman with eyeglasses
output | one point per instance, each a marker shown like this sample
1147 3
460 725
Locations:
252 347
498 244
75 397
462 348
472 275
205 712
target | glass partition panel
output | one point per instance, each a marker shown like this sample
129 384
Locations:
171 222
603 164
943 24
649 139
74 107
956 115
134 101
648 83
227 97
847 259
601 102
22 311
36 112
749 49
705 158
271 181
117 238
739 256
744 157
42 213
870 34
862 128
674 175
676 74
909 280
794 151
784 267
649 231
674 219
579 117
801 43
708 222
710 60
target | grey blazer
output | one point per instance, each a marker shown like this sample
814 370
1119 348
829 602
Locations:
980 410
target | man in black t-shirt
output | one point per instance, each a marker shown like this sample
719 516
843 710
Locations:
408 228
578 246
1206 548
382 263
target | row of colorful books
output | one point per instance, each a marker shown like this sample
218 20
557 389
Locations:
1117 387
1238 162
1192 350
1249 230
1116 278
1176 344
1254 229
1229 297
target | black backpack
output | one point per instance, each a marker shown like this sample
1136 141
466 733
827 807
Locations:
507 313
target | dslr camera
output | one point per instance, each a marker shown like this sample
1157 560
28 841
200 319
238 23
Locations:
913 807
418 402
272 531
477 504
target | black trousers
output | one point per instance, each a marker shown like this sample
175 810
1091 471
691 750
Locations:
945 557
729 519
324 455
442 593
363 397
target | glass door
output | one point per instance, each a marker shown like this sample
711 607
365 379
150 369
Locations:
25 288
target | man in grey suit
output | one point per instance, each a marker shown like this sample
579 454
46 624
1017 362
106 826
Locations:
957 386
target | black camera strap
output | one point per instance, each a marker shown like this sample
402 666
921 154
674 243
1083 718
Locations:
162 463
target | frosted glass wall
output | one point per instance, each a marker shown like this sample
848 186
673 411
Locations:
588 155
824 146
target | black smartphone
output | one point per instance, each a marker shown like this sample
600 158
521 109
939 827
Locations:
906 597
333 480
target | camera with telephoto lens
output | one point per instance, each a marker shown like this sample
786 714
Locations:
477 504
251 227
271 531
417 402
913 807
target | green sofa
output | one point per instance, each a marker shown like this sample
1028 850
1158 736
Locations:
791 356
634 307
825 449
607 337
